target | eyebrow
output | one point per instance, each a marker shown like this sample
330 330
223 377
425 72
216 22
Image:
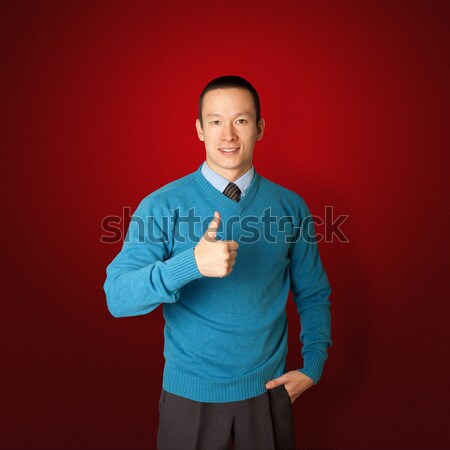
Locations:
245 113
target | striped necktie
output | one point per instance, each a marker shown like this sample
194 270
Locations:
233 192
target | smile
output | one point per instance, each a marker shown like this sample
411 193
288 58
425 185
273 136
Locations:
229 150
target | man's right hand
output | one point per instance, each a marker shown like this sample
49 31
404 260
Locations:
215 258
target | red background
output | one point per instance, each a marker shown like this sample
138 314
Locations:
98 106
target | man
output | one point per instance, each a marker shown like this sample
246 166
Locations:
225 380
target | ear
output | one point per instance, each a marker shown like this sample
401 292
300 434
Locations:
199 130
260 129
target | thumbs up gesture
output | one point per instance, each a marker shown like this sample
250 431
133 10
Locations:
215 258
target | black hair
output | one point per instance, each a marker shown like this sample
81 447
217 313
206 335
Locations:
229 81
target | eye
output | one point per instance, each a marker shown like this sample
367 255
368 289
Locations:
215 122
243 120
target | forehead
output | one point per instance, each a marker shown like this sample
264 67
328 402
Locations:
229 100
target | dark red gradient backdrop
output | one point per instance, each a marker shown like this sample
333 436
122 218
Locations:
98 105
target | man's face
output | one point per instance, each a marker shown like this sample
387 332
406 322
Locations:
229 131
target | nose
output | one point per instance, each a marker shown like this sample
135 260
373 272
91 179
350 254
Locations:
228 132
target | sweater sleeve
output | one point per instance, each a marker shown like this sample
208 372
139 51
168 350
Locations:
311 291
143 275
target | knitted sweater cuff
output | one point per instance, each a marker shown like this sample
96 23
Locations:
182 268
313 363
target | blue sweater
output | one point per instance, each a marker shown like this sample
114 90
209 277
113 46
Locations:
224 338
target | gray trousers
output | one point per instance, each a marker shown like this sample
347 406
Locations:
264 422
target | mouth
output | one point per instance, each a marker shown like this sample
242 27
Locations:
229 150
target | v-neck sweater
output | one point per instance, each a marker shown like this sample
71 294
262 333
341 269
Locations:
224 337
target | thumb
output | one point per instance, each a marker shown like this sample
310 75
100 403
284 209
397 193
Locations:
213 226
276 382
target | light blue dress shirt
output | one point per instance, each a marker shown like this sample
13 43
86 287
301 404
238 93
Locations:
220 182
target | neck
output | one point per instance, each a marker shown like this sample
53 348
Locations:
230 174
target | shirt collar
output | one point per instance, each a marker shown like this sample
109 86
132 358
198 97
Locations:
220 182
